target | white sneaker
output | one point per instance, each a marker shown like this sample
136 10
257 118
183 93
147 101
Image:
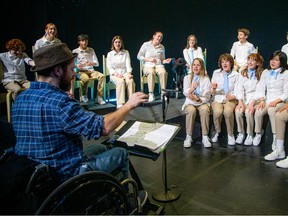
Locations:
119 106
231 140
257 139
206 142
240 138
84 98
215 137
187 142
275 155
249 140
165 97
100 101
151 97
274 142
282 163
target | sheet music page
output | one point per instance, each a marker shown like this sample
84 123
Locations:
150 135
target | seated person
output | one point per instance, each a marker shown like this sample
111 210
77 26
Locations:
14 67
49 125
119 66
248 79
152 53
197 91
86 61
50 37
224 89
191 51
271 93
285 47
281 120
241 49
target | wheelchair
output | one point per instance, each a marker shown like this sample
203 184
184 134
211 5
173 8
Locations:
179 70
38 191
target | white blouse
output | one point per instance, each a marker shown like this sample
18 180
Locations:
148 50
198 53
246 88
119 62
241 51
271 87
42 42
87 55
204 92
218 77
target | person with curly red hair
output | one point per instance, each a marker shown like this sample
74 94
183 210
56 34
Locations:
13 63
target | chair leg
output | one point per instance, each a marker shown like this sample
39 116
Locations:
9 105
92 93
108 94
80 93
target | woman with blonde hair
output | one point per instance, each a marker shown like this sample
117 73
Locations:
192 50
197 92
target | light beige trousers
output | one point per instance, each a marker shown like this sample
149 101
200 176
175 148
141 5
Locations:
121 85
151 72
204 112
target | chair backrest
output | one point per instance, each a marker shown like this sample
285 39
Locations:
141 68
105 69
108 85
205 57
1 71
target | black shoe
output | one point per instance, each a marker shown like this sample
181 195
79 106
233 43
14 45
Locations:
132 203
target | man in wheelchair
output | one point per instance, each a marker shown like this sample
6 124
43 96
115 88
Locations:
49 125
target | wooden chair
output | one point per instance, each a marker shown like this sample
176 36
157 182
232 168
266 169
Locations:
8 95
143 79
76 84
109 85
205 58
36 75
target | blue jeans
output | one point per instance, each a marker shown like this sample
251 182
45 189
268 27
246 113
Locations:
99 158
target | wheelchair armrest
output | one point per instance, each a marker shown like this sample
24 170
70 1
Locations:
39 170
6 153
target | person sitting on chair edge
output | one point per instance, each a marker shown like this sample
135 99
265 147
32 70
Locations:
49 125
85 62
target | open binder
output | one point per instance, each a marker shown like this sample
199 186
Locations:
147 139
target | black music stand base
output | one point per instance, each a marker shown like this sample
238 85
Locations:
167 196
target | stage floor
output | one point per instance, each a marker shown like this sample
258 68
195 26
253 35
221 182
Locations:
222 180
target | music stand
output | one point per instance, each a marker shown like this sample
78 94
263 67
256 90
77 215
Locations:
169 194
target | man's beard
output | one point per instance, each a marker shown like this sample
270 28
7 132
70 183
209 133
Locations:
64 84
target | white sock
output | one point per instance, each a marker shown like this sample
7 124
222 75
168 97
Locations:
280 145
188 136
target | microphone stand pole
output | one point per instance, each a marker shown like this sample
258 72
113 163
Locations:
169 194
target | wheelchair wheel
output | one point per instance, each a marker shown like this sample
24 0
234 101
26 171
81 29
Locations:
94 192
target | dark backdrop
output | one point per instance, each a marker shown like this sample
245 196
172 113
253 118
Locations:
214 22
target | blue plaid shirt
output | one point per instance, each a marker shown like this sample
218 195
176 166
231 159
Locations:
49 127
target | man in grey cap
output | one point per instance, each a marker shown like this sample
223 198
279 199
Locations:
49 125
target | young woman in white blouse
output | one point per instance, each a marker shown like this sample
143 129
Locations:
248 80
49 38
223 88
191 51
152 53
197 92
119 66
271 92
